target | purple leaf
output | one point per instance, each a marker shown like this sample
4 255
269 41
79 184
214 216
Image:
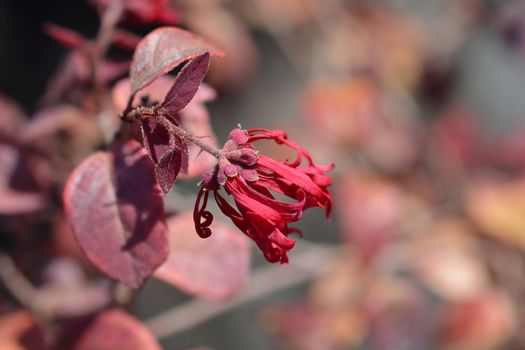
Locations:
167 151
156 139
116 211
215 268
108 330
186 84
162 50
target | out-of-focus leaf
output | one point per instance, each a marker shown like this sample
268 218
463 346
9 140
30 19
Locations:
115 208
65 118
457 137
395 148
146 11
115 330
65 36
509 149
484 322
380 39
68 82
344 113
19 190
400 316
18 331
65 133
303 326
215 267
299 326
371 211
161 51
126 40
284 15
11 117
447 260
498 209
344 281
215 21
67 292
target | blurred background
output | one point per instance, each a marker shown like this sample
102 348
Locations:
420 104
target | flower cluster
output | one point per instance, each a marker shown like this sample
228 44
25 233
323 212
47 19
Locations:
253 180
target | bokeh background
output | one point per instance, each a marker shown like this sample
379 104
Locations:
420 104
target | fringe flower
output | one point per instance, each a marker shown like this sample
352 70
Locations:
252 180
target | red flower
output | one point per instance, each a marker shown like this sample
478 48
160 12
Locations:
252 179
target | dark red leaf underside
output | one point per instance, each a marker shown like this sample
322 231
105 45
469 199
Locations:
167 151
162 50
186 84
110 330
115 207
215 268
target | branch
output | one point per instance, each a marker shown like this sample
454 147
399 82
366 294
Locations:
18 286
267 280
110 18
180 132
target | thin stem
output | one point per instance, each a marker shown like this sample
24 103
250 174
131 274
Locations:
174 129
263 282
17 285
110 18
26 294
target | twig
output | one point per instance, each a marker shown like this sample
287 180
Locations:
109 21
27 295
110 18
17 285
267 280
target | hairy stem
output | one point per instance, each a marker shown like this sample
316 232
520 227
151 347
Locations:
180 132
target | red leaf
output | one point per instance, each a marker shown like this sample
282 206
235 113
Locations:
65 36
486 321
216 267
19 331
187 83
125 40
167 151
146 11
115 330
161 51
115 208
